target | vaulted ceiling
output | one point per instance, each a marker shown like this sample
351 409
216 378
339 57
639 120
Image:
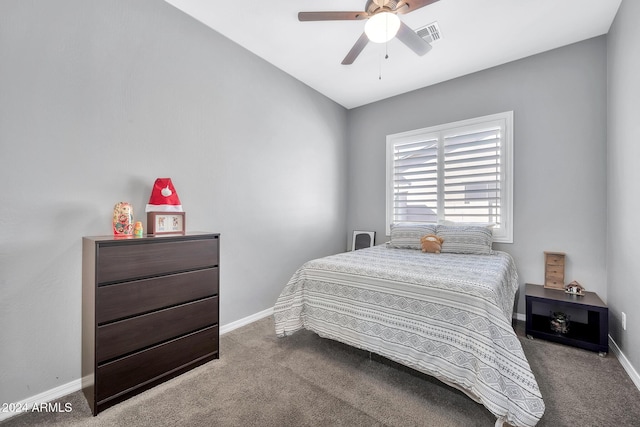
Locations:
474 35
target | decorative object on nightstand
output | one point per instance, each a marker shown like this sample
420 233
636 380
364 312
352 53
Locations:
554 270
559 322
574 288
164 210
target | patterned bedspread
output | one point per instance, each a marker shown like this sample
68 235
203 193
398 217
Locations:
447 315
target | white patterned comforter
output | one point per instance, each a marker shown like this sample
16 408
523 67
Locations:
447 315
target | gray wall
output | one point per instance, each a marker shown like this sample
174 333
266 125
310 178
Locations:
623 179
559 104
97 100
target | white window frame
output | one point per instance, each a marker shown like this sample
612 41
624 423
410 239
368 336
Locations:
502 234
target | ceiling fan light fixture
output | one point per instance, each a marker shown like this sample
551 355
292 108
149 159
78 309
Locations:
382 27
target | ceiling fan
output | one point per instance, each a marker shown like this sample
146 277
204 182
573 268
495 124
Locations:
382 24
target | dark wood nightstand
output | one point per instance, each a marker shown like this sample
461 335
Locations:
590 335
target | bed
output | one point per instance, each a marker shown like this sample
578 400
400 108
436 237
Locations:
447 315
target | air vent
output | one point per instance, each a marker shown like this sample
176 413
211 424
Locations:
430 33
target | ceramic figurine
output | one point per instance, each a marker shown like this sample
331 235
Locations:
123 219
574 288
138 230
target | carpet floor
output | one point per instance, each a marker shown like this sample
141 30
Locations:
304 380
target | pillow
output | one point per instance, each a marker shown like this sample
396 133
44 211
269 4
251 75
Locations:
478 224
406 235
466 239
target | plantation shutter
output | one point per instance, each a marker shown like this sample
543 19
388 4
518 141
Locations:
458 172
472 176
415 181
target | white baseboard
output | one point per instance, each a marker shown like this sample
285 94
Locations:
44 397
633 374
245 321
76 385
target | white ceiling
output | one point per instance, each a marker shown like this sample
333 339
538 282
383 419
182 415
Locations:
476 34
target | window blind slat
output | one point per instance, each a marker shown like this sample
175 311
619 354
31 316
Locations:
430 154
472 173
475 204
461 138
456 161
477 147
399 173
478 218
470 184
473 196
416 196
414 145
404 186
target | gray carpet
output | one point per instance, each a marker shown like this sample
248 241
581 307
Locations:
304 380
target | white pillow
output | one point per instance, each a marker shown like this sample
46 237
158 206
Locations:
466 239
406 235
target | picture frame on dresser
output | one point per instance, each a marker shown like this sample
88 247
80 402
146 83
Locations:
166 223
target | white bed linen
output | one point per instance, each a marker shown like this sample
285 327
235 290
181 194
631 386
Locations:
447 315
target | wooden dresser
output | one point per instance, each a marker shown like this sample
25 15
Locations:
149 311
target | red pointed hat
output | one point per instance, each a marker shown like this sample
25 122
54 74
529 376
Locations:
164 197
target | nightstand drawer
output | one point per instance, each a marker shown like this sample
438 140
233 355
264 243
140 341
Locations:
126 336
136 370
119 262
141 296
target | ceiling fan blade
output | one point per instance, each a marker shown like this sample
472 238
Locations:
416 43
407 6
355 50
331 16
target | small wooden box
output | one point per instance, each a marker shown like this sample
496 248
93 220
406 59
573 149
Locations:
554 270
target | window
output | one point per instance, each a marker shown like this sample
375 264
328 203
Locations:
454 173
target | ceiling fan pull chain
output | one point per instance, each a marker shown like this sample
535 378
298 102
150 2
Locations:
386 44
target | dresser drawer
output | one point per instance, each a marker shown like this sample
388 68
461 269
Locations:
118 262
134 371
141 296
126 336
